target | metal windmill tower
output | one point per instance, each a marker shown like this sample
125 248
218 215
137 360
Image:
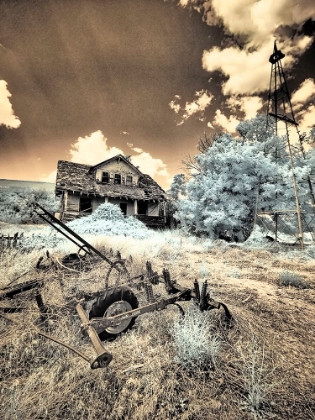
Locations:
280 110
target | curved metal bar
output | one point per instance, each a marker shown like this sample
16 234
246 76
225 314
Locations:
182 312
227 312
87 359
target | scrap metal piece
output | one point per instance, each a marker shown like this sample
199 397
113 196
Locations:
203 296
9 292
197 290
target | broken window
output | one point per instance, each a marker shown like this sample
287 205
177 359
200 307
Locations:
117 179
105 177
128 180
86 205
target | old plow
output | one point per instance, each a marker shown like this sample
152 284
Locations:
115 308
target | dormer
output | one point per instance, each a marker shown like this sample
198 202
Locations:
117 171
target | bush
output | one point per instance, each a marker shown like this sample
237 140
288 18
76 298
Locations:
17 206
195 346
106 220
291 279
109 220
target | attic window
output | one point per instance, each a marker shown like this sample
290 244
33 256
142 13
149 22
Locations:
128 180
117 179
105 177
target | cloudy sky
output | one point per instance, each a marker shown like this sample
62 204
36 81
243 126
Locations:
84 80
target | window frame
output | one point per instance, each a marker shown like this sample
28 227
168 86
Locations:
105 177
117 177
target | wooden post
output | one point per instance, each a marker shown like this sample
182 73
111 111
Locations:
135 207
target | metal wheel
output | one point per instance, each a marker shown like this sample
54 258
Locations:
115 301
117 308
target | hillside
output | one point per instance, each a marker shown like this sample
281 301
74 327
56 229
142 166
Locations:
16 184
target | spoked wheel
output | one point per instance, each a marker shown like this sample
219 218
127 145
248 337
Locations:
114 302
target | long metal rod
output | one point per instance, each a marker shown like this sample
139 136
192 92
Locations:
65 345
75 235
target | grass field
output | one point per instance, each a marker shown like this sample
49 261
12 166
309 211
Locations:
262 366
16 185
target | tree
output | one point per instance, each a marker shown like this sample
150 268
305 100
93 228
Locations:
178 186
204 143
233 172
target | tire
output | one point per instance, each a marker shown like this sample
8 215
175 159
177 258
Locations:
115 301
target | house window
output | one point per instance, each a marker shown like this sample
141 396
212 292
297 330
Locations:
105 177
128 180
117 179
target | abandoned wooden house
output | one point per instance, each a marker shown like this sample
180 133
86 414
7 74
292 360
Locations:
83 188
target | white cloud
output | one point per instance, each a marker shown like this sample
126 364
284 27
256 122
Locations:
88 150
247 72
148 164
306 119
257 23
7 116
228 123
174 106
303 94
196 107
249 105
49 178
92 149
137 149
252 19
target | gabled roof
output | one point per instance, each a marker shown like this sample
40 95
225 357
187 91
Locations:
117 157
80 178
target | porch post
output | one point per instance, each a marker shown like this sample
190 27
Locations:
135 207
106 199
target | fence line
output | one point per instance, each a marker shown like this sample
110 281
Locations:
7 241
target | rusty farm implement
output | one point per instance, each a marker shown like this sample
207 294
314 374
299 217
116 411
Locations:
115 308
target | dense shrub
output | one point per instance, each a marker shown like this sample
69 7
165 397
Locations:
106 220
195 346
109 220
17 205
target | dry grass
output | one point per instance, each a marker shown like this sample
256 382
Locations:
263 368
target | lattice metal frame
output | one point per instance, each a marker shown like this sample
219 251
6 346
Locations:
280 109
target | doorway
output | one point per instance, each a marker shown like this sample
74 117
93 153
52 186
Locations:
123 208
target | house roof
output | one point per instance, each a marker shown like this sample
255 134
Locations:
80 178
